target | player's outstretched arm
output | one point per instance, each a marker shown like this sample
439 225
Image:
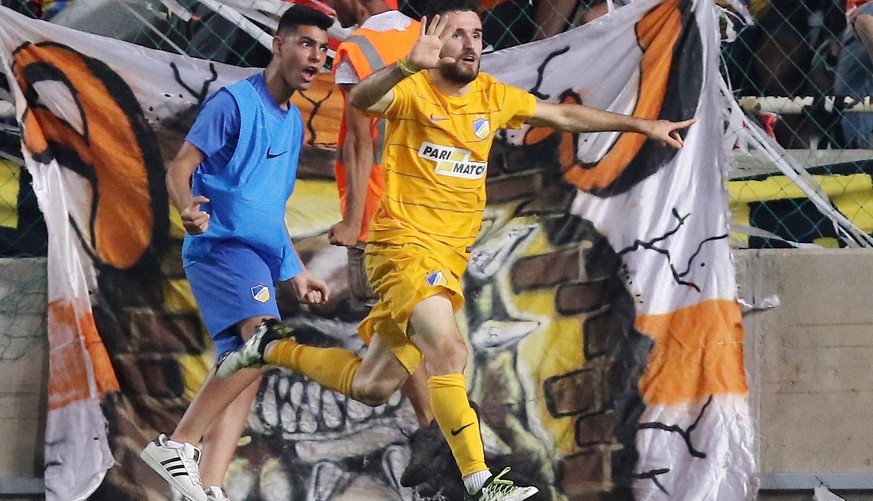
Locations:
373 94
580 118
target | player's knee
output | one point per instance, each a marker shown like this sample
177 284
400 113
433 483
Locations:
451 356
374 391
458 354
373 397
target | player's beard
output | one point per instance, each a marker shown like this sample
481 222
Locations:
455 74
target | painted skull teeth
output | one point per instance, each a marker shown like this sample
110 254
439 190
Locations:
326 477
394 461
276 483
303 410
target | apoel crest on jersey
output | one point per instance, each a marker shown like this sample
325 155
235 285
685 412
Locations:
481 128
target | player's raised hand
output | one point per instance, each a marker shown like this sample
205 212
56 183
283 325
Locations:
195 220
425 54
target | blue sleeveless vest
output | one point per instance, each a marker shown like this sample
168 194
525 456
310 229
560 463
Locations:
247 199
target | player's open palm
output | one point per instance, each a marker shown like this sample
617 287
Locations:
425 54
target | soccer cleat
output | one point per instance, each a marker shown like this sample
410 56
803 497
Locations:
501 489
216 494
428 451
177 464
251 353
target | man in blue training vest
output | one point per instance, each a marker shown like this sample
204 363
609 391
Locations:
230 183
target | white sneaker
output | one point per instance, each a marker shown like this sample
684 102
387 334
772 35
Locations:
216 494
177 464
502 489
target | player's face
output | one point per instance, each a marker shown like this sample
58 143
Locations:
465 45
301 54
345 11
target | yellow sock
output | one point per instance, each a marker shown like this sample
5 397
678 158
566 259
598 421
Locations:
332 368
458 421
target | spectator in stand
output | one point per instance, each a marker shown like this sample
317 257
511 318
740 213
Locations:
855 72
556 16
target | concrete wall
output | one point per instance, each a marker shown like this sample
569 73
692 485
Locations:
23 373
809 364
809 359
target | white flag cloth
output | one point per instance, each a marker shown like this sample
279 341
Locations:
665 214
601 293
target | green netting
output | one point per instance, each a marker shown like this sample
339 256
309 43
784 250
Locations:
796 49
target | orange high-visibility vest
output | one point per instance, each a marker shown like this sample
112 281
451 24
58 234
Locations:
369 51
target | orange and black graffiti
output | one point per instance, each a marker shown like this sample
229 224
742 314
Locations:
671 78
107 142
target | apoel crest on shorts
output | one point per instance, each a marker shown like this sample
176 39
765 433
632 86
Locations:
481 127
436 278
261 293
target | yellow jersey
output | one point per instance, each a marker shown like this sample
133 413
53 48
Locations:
436 159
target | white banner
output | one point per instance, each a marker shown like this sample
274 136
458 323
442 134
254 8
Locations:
605 335
664 213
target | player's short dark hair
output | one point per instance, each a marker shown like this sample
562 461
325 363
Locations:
442 6
301 15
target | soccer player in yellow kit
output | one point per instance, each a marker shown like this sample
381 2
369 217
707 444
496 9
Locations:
442 116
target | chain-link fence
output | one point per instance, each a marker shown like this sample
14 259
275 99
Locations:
790 63
794 69
22 231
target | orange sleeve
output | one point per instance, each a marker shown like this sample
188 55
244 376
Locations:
400 104
517 106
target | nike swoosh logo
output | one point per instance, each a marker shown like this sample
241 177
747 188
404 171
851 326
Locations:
437 119
459 430
274 155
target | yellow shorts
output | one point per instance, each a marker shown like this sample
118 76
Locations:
402 277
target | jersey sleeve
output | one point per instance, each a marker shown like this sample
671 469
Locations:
400 105
216 125
517 106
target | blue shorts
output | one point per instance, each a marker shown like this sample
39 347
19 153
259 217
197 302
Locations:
231 284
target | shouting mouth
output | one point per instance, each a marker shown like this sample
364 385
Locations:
469 59
309 73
